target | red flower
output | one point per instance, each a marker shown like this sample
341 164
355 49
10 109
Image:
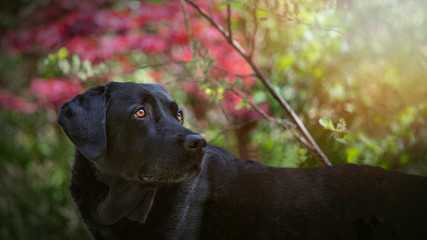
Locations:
159 12
49 36
52 93
152 44
13 103
84 47
110 20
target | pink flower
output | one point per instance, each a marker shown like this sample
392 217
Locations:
182 54
111 45
19 41
152 44
52 93
49 36
11 102
159 12
110 20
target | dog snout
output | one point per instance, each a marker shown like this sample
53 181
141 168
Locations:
195 142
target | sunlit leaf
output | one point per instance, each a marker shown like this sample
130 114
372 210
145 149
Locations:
243 104
327 123
285 61
352 154
62 53
209 91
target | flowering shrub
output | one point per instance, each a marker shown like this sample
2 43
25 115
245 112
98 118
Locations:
105 35
52 93
13 103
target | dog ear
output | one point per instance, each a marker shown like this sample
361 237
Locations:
83 120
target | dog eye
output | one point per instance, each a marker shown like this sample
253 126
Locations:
179 116
140 113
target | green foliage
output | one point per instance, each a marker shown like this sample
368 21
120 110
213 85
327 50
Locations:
353 64
34 179
62 64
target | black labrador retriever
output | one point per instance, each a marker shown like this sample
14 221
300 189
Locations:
139 174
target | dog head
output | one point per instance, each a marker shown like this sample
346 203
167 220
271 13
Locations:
133 131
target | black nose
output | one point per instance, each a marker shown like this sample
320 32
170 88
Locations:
195 142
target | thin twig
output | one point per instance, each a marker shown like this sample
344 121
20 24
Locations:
186 21
284 123
254 33
279 122
317 152
208 4
235 44
230 34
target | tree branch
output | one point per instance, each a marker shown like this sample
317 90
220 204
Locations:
208 4
317 152
282 123
254 33
230 34
186 21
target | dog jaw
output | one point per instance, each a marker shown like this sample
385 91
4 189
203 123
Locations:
178 177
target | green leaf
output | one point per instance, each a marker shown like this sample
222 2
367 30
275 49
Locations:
220 90
261 13
260 97
52 57
76 63
404 159
352 154
209 91
237 83
62 53
327 124
203 84
227 2
196 46
243 104
285 61
223 81
87 66
65 66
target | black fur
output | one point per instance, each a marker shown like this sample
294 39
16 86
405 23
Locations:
151 178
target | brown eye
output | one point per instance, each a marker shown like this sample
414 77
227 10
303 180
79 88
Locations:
179 116
140 113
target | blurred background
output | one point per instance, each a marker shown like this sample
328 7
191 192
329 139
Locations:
354 71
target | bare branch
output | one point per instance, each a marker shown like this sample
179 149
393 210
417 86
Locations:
224 33
230 34
186 20
283 123
279 122
208 4
255 19
317 152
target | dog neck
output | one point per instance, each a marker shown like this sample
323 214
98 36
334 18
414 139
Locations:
125 199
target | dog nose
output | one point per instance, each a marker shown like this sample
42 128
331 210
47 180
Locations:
195 142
